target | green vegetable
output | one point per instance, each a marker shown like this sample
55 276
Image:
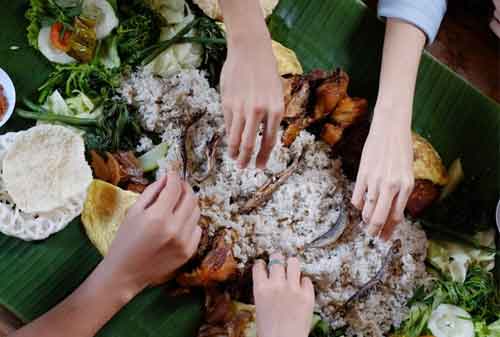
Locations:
205 36
43 13
322 329
484 330
81 105
138 31
149 160
478 295
94 79
108 53
115 129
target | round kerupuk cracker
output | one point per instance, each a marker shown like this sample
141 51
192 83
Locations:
45 167
26 226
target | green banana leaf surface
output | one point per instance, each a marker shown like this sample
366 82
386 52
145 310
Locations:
459 121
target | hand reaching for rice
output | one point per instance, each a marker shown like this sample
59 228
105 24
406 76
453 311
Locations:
251 87
385 177
159 235
284 299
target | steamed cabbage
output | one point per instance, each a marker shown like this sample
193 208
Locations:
179 56
454 259
171 10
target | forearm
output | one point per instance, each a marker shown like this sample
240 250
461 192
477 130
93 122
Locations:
245 23
402 51
85 311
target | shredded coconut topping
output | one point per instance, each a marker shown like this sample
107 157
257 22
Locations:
305 207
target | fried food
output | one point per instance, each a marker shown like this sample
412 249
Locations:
218 266
119 169
349 111
296 93
320 97
330 93
424 194
427 164
227 318
288 63
331 134
104 210
45 167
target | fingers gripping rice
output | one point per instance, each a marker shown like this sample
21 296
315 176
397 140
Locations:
26 226
45 167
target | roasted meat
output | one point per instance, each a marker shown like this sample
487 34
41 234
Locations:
119 169
227 318
349 111
218 266
311 99
329 94
296 93
331 134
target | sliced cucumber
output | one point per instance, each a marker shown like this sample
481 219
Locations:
450 321
149 160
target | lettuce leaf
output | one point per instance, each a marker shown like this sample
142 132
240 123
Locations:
35 15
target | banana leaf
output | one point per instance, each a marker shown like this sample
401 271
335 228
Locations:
458 119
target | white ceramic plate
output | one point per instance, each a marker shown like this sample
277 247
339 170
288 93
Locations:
10 93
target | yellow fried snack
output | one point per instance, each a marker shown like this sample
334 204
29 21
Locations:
104 211
427 164
288 63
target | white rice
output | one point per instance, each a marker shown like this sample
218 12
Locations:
299 211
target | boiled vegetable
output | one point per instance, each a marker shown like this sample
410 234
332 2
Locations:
149 160
450 321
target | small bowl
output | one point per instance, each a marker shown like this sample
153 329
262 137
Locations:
10 93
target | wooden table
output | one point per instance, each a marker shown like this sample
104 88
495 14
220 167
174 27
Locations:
464 43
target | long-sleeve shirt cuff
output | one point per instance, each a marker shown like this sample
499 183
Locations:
424 14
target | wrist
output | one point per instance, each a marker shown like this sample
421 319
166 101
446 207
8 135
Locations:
114 284
395 113
248 41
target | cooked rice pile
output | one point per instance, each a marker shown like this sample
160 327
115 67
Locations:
299 211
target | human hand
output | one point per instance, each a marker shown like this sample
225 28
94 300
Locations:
159 235
385 177
495 21
284 300
252 95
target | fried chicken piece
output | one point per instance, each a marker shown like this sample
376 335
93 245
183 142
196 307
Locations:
328 90
227 318
424 194
99 166
296 93
218 266
349 111
330 93
331 134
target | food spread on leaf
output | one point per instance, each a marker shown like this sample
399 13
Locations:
134 93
